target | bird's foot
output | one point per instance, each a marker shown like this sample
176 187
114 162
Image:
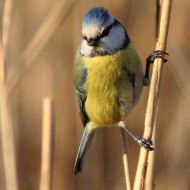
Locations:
150 60
146 81
147 144
156 54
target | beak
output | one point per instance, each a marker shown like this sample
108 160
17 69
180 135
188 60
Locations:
92 42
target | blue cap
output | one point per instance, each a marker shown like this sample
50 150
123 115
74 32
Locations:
96 16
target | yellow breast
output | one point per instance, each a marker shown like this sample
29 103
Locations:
103 86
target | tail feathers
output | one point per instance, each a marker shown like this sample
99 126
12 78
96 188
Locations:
82 151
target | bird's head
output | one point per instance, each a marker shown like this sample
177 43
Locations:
102 33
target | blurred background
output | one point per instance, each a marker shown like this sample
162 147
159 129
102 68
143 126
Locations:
43 38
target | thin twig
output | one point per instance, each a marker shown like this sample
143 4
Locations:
125 159
7 138
158 5
153 94
5 32
2 63
6 128
47 144
7 141
40 39
149 182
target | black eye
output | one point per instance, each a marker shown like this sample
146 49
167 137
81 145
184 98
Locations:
84 37
105 32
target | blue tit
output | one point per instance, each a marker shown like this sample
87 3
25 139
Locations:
108 78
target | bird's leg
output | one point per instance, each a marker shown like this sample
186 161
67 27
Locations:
145 143
150 60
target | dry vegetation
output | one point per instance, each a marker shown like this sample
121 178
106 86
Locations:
43 38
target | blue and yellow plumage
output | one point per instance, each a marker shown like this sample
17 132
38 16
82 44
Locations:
108 76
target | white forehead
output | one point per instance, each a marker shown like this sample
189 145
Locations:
92 30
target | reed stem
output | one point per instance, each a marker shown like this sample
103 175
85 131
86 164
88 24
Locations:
47 144
125 159
153 94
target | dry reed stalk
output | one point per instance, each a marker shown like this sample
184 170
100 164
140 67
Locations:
5 36
125 159
47 144
5 29
158 5
7 141
149 182
153 94
2 65
40 39
6 128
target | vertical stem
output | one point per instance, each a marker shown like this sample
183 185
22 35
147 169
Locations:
158 5
7 137
149 182
2 67
6 128
125 159
7 141
5 34
153 94
47 145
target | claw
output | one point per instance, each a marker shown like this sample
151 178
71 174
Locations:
145 143
140 140
157 54
150 60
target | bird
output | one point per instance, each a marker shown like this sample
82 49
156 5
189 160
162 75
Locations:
108 78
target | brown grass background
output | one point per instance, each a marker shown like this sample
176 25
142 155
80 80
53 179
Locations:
49 72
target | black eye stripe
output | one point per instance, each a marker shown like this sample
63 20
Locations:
115 22
105 32
84 37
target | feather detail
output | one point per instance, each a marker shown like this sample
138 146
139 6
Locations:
83 149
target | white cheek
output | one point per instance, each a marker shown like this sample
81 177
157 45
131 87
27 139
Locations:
114 40
85 48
